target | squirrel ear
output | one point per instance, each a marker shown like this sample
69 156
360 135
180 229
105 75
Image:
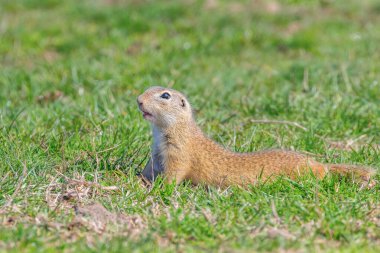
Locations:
183 103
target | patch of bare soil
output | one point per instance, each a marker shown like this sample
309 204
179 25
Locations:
65 194
49 97
87 223
95 217
71 217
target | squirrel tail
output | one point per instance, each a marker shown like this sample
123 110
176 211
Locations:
358 173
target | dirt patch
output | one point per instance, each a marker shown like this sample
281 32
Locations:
49 97
135 48
273 232
64 192
87 222
95 217
51 56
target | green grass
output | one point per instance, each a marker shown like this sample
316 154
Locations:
70 72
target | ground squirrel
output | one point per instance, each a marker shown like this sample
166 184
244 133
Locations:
182 151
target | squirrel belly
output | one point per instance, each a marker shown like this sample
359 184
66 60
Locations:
181 150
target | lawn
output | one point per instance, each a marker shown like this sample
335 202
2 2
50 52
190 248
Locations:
72 139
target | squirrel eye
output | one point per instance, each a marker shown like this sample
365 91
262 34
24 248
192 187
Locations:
165 95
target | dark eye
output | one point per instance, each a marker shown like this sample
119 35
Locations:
165 95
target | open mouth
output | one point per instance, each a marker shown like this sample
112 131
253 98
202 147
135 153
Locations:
147 115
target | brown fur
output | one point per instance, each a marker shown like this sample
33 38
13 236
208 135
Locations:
182 151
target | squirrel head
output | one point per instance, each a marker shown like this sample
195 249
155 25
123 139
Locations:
164 107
